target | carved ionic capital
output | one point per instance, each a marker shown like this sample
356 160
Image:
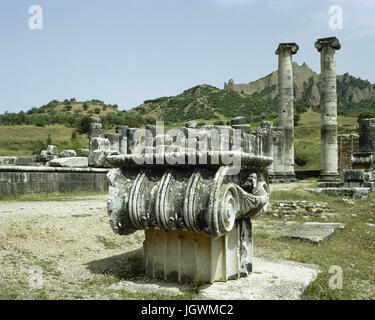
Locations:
201 201
291 48
332 42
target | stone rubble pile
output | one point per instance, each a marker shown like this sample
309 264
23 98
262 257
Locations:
292 209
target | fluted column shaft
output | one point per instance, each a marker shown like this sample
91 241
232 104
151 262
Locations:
328 103
286 103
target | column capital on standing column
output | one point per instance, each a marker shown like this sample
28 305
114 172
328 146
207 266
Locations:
332 42
290 47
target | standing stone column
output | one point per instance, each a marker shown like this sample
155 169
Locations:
328 104
367 135
95 129
286 104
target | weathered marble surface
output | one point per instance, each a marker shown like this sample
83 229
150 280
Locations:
74 162
328 101
205 200
317 232
285 51
271 280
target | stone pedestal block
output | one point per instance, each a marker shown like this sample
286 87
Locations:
367 135
183 256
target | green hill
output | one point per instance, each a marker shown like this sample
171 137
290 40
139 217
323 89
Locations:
257 100
205 102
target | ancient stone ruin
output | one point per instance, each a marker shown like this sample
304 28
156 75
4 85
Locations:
359 180
328 101
284 158
194 195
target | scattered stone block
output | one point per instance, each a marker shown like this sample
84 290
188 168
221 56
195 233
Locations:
191 124
271 280
317 232
355 193
52 150
245 128
331 184
237 121
74 162
354 175
7 161
100 143
68 154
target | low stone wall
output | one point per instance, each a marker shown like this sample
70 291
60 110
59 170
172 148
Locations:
22 179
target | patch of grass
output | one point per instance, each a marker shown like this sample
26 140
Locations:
134 268
68 196
352 249
108 244
81 215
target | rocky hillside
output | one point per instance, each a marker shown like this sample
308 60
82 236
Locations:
205 102
257 100
353 93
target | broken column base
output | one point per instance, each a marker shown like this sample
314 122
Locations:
182 256
357 184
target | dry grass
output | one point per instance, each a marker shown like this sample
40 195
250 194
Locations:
20 140
307 136
353 249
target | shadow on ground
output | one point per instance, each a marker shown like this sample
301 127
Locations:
122 266
128 269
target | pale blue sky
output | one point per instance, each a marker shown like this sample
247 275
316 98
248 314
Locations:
126 51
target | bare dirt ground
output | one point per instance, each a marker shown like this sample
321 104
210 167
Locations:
70 243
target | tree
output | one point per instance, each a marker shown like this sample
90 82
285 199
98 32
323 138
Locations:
297 118
97 110
83 125
365 114
49 140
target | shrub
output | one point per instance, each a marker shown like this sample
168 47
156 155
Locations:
85 106
297 118
364 115
300 108
40 122
97 110
38 147
301 159
219 123
49 140
68 107
83 125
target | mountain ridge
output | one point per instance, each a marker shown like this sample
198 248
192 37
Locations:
257 100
